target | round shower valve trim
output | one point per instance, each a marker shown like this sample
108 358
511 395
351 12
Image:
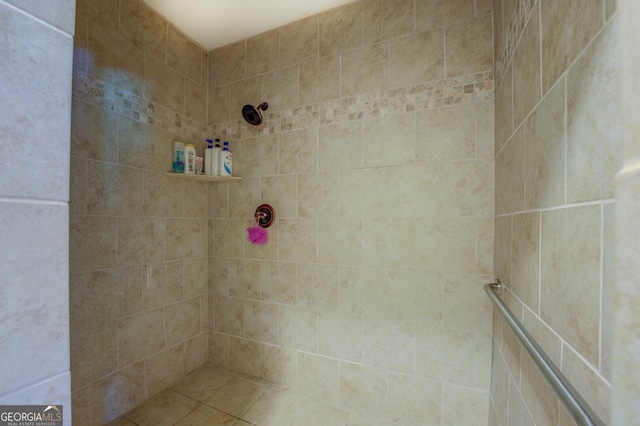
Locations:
265 215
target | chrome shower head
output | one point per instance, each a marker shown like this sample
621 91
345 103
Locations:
252 114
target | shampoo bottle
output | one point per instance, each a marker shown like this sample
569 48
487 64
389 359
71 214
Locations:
189 159
216 158
178 157
225 160
208 159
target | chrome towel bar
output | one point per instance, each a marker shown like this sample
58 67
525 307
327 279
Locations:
577 406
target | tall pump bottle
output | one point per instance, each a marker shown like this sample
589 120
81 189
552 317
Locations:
225 160
215 159
208 159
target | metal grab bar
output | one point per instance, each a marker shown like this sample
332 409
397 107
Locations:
577 406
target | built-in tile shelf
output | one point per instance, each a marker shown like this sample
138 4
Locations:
205 178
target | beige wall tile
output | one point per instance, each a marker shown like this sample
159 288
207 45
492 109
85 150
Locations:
443 245
227 64
282 88
298 328
165 369
444 354
464 305
363 192
163 284
504 111
608 293
163 195
261 156
546 338
195 277
570 276
112 189
185 238
146 29
195 199
245 356
320 79
518 412
115 61
278 282
340 241
463 406
229 239
416 58
244 92
388 344
298 240
113 293
591 386
340 146
362 387
561 44
93 353
500 194
279 365
319 375
471 188
540 397
484 245
169 406
503 253
318 286
144 146
93 132
594 126
298 151
446 133
196 351
78 186
526 70
545 152
195 101
340 335
92 243
244 278
182 320
318 195
299 41
262 53
382 131
218 103
485 129
389 243
185 56
417 190
229 315
261 321
140 335
483 7
125 389
499 384
469 49
365 70
340 29
163 85
384 20
514 172
526 259
414 399
439 13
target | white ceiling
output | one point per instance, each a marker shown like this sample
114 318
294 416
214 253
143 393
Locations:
215 23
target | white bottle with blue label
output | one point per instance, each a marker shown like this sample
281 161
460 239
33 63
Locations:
225 160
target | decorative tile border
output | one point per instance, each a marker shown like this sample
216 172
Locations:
113 98
434 94
517 23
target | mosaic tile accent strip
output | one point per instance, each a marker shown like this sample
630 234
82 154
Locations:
517 23
434 94
113 98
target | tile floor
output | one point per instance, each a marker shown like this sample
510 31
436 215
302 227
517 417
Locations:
214 397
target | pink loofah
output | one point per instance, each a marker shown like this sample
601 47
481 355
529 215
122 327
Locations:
257 235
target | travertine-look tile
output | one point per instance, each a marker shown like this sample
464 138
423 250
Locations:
380 131
384 20
388 344
144 146
340 335
465 306
525 258
165 369
244 278
414 399
299 41
298 151
185 56
203 383
113 189
182 320
140 335
207 416
363 192
93 132
439 13
245 356
262 53
416 58
261 321
185 238
446 133
469 47
282 88
92 243
93 353
594 123
113 293
526 70
504 111
541 399
340 241
545 152
163 195
364 70
363 387
163 85
463 406
278 282
340 29
298 240
470 185
125 389
561 43
298 328
146 29
318 195
279 365
318 375
227 64
163 283
499 384
417 190
320 79
503 252
340 146
195 101
591 386
218 101
570 276
518 412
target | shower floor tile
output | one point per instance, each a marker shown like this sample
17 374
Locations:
217 397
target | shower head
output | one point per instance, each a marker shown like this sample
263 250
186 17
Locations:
252 114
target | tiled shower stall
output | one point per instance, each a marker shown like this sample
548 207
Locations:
397 195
